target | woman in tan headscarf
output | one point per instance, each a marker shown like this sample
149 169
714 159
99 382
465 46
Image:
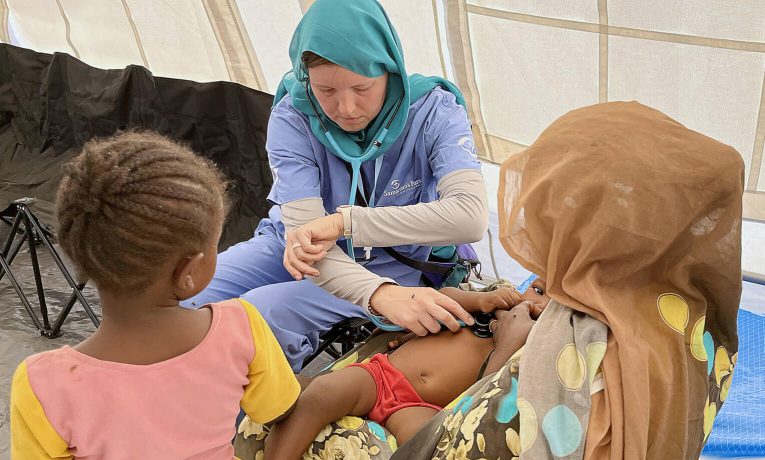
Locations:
634 221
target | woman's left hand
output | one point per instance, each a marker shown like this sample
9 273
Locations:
310 243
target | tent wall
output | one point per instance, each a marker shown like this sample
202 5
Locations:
521 63
50 105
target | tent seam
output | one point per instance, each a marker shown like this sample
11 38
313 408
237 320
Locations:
5 35
438 38
759 144
603 51
696 40
68 29
136 35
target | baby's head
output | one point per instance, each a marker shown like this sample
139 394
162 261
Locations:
536 293
138 209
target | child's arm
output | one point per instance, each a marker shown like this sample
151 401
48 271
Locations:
475 301
510 334
349 391
273 388
32 435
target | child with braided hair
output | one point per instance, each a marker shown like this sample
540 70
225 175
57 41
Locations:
140 216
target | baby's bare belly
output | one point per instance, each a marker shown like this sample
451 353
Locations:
442 366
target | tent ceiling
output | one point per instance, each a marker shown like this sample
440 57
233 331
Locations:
521 63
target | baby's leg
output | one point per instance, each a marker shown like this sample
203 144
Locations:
350 391
405 423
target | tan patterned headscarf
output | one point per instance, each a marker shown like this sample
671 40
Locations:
635 220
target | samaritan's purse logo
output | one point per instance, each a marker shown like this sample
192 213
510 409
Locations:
398 189
466 144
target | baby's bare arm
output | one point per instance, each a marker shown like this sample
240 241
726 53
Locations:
477 301
350 391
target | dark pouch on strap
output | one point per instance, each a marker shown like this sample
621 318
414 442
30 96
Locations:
438 274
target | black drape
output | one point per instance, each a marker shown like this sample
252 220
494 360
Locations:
50 105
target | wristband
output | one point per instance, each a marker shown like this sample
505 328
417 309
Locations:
345 211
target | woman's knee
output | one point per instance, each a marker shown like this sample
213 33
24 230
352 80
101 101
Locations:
264 298
279 306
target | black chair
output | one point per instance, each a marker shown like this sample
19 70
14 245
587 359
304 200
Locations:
342 338
34 234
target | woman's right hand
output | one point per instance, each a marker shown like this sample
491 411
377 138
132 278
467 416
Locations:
418 309
309 243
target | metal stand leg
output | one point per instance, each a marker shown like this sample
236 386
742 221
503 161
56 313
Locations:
7 254
33 232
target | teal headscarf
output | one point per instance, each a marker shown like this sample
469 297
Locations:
356 35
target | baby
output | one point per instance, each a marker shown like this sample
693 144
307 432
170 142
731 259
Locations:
403 390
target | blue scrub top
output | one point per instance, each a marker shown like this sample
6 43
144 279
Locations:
437 141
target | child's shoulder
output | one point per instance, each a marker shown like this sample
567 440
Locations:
239 315
240 328
237 307
230 304
45 359
37 369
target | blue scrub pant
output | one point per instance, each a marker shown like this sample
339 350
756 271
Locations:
297 311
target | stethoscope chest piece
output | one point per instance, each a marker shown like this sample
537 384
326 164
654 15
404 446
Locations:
481 326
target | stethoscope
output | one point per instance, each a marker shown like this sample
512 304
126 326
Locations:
356 162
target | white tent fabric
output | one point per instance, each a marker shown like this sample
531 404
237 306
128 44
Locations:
520 63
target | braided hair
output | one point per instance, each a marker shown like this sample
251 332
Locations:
128 204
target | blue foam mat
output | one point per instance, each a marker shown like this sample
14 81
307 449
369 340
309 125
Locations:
739 428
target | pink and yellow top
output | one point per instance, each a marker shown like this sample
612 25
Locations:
65 404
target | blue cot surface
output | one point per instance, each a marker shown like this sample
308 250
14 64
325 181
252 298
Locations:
739 429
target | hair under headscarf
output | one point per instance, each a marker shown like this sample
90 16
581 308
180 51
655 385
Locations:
635 220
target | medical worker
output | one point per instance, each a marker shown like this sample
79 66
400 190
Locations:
348 127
